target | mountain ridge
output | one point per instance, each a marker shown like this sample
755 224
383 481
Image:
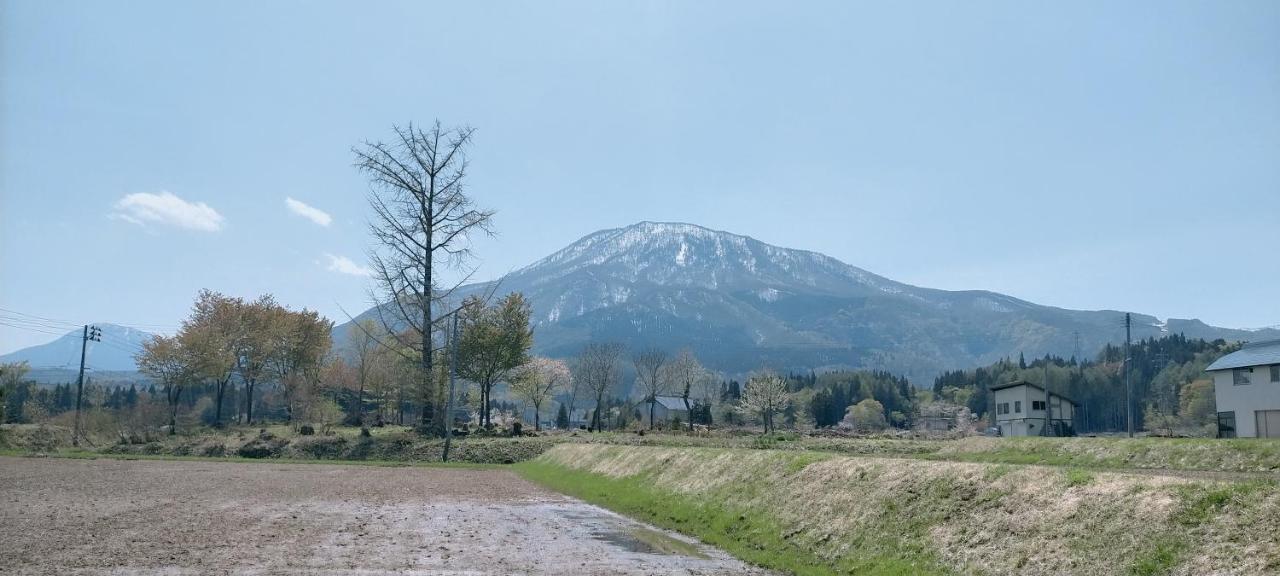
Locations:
743 304
113 354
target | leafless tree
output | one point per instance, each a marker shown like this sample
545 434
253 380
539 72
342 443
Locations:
362 345
684 373
423 220
649 363
598 367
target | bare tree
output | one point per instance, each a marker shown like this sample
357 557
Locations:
362 345
599 367
649 363
422 221
764 396
684 373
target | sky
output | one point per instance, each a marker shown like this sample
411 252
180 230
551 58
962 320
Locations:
1091 155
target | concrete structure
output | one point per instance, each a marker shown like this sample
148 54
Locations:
1020 410
1246 384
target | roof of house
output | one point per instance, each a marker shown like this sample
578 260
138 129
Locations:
1017 383
671 402
1253 354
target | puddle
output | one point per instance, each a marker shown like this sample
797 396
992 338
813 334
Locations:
646 541
629 535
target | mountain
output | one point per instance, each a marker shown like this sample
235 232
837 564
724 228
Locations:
113 354
742 305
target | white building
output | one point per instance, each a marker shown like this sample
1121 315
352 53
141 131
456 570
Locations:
1020 410
1246 384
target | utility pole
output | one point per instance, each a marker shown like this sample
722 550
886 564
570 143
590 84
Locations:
448 403
94 334
1128 389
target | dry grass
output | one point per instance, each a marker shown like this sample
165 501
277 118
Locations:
968 518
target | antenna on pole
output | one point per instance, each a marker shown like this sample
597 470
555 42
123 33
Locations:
91 333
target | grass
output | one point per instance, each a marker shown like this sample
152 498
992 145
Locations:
1260 457
737 516
1078 477
1160 559
821 513
746 533
1210 454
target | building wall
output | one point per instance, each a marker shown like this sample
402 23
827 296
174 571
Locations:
1028 422
1244 400
662 414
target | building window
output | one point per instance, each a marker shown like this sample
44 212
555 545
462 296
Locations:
1241 376
1002 408
1226 424
1037 405
1017 407
1275 373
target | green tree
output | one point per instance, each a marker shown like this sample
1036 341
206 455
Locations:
562 418
1198 406
11 375
211 334
165 359
867 415
495 340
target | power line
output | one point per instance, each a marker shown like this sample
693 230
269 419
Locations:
32 329
70 324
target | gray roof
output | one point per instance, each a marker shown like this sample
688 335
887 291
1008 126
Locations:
1017 383
672 402
1254 354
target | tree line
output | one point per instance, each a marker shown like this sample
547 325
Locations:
1171 392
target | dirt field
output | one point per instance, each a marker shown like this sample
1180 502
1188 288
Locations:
61 516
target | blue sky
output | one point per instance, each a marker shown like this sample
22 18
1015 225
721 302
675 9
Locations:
1078 154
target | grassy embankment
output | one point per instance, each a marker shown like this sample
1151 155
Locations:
400 444
819 513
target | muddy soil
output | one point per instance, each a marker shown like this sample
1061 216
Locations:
62 516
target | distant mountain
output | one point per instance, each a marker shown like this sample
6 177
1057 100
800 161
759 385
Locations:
113 354
742 304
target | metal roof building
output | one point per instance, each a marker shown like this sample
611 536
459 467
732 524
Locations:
1254 354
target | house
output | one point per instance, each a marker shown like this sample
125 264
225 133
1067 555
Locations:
668 408
1020 410
1246 385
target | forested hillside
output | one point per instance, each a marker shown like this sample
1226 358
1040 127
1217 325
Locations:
1171 392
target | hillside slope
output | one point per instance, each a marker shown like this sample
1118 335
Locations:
114 353
742 304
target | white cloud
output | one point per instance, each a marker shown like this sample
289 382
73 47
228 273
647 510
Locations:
167 208
311 213
344 265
